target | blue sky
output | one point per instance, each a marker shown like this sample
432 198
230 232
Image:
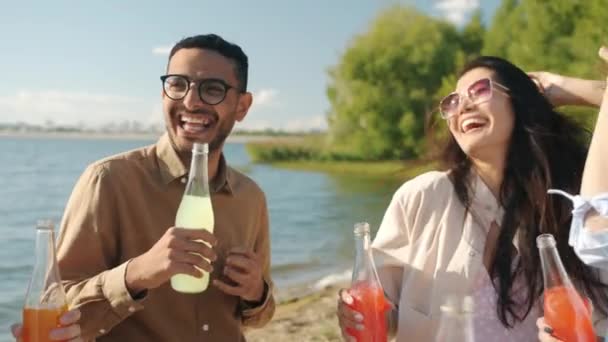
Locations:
90 65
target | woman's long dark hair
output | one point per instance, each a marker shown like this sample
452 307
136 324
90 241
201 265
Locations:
547 150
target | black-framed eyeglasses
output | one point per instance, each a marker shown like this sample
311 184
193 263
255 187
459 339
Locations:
211 91
478 92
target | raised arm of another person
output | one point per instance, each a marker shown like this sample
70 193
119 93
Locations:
595 179
563 90
589 229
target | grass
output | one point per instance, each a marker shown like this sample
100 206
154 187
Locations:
310 153
385 169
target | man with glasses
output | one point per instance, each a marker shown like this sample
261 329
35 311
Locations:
118 247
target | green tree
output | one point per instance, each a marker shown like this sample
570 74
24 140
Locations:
561 36
382 91
472 36
503 29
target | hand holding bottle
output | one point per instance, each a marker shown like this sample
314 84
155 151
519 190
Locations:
545 332
566 312
348 318
176 252
69 330
195 212
45 299
362 309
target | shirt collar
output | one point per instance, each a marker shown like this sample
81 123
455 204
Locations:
223 178
484 204
172 168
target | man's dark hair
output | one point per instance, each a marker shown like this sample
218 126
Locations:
216 43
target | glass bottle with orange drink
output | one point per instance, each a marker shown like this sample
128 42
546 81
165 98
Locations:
367 292
565 311
45 300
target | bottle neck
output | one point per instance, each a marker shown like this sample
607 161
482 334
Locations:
198 177
45 287
364 269
554 273
362 245
45 250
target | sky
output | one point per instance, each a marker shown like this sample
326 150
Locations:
90 63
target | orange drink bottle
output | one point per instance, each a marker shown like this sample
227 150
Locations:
367 292
564 309
45 300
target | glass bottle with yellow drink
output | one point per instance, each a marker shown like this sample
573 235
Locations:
195 212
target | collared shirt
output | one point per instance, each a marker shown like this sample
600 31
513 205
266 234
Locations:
120 207
429 248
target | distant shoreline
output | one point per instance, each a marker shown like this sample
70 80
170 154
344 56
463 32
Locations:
234 138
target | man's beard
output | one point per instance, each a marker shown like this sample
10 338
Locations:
217 142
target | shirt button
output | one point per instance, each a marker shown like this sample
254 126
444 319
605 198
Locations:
205 327
132 309
472 254
102 331
183 180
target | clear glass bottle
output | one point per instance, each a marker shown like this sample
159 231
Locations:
366 290
565 311
195 212
456 322
45 300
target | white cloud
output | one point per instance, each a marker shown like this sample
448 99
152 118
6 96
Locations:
313 123
71 107
267 112
255 125
80 108
265 97
456 11
318 122
265 101
161 50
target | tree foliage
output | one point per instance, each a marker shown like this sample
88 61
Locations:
384 90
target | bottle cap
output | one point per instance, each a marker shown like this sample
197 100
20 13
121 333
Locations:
467 304
361 228
200 148
545 240
45 225
451 304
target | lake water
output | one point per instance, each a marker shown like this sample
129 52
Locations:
311 214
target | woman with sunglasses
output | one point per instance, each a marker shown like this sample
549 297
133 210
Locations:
472 229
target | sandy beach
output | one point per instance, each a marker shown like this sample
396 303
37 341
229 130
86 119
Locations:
308 318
